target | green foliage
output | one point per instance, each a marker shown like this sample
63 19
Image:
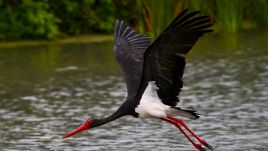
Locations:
160 17
83 16
29 19
260 12
229 14
49 19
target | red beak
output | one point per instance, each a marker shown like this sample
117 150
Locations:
81 128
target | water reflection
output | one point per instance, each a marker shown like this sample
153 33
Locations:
47 90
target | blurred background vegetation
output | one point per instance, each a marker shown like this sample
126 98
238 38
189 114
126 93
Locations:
52 19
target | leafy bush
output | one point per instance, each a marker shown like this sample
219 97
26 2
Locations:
49 19
29 19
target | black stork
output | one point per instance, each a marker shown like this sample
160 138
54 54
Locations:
153 72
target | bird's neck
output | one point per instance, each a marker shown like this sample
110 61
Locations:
99 122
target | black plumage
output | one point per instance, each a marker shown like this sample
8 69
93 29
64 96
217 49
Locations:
129 47
165 58
158 66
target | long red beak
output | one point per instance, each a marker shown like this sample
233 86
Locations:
81 128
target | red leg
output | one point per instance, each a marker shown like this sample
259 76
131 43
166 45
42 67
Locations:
175 123
202 141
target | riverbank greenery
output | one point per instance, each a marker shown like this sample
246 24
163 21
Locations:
52 19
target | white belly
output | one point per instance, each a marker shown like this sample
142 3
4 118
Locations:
150 104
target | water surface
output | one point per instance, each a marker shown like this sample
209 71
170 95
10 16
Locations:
47 90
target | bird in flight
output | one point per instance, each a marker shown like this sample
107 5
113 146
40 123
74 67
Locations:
153 73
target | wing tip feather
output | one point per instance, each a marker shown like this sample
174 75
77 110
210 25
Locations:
190 20
122 31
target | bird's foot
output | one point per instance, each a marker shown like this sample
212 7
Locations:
199 147
202 141
207 145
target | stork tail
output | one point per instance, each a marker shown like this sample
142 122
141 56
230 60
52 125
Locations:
185 112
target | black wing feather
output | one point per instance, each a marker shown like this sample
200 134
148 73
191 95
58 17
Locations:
165 58
129 47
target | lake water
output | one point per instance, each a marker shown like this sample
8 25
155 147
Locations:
47 90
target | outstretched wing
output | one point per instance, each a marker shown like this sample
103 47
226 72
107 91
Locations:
165 58
129 47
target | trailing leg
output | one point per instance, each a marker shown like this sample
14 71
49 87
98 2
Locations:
175 123
202 141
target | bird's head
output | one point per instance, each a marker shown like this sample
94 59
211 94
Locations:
87 125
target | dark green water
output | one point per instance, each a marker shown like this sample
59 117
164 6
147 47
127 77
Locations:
46 91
